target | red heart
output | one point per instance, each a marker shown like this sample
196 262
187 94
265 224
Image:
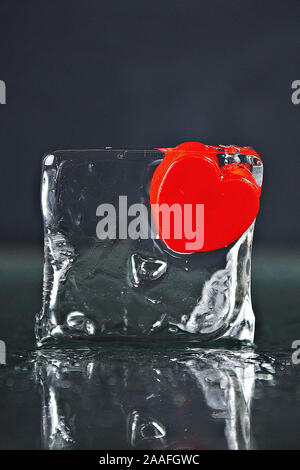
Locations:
190 174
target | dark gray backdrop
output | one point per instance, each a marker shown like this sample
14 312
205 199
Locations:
90 73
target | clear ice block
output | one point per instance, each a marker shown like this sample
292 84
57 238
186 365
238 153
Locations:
133 287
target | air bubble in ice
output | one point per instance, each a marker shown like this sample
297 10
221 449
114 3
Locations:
152 430
79 321
146 269
75 319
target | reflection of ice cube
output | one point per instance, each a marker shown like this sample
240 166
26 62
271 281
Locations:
127 287
177 403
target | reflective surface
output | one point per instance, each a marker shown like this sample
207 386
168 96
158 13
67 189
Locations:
176 396
129 397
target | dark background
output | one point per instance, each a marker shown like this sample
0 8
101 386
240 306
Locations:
86 74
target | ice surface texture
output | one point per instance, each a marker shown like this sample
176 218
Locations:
132 288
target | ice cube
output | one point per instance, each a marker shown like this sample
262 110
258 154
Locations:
101 282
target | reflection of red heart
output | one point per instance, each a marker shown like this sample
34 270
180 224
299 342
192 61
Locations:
190 174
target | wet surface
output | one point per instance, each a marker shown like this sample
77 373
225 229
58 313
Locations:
135 397
151 396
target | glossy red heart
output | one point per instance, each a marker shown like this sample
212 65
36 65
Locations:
190 175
